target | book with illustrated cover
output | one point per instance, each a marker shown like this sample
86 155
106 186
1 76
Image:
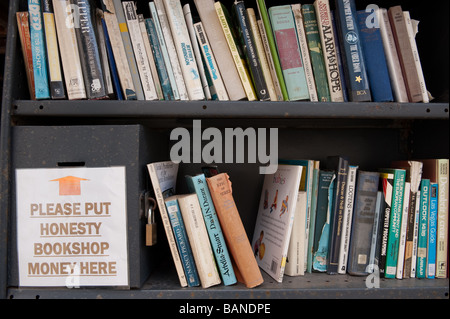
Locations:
273 227
25 41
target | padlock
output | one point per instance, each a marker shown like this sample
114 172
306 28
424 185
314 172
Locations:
150 227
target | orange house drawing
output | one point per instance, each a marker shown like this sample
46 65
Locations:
69 185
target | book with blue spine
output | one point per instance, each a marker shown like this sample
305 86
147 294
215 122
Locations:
423 228
40 68
354 65
285 34
182 240
159 60
432 231
197 184
374 56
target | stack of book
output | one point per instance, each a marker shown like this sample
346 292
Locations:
74 49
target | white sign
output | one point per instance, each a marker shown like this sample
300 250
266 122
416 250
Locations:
72 227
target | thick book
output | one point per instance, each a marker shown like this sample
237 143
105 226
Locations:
405 54
432 225
395 221
126 40
357 80
184 49
437 170
304 50
197 184
323 218
340 165
273 56
148 85
316 52
422 240
247 270
273 227
387 181
403 231
373 52
393 62
285 34
57 90
248 44
159 60
198 238
118 50
39 53
224 59
25 41
163 176
68 48
88 51
182 240
363 222
327 37
210 61
295 259
235 49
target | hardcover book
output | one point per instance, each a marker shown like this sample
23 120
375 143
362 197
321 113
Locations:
373 52
285 35
276 211
197 184
357 81
25 40
247 270
40 68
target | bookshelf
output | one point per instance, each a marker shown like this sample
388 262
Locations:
371 134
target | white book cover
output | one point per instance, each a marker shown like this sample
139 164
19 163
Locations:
211 64
67 41
275 218
198 55
390 50
295 261
403 229
184 49
199 240
139 51
173 57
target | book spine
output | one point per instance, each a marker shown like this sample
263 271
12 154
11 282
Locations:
198 55
285 35
274 58
304 50
238 59
118 50
415 236
103 50
68 47
140 55
181 237
198 185
374 245
316 52
234 231
88 50
354 65
260 50
442 230
57 90
393 63
432 225
25 40
406 58
387 185
250 53
198 238
423 229
38 51
159 60
373 51
403 231
184 50
347 219
210 61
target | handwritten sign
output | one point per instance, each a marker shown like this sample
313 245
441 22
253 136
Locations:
72 227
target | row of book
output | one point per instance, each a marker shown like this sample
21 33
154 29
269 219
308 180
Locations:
79 49
339 219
